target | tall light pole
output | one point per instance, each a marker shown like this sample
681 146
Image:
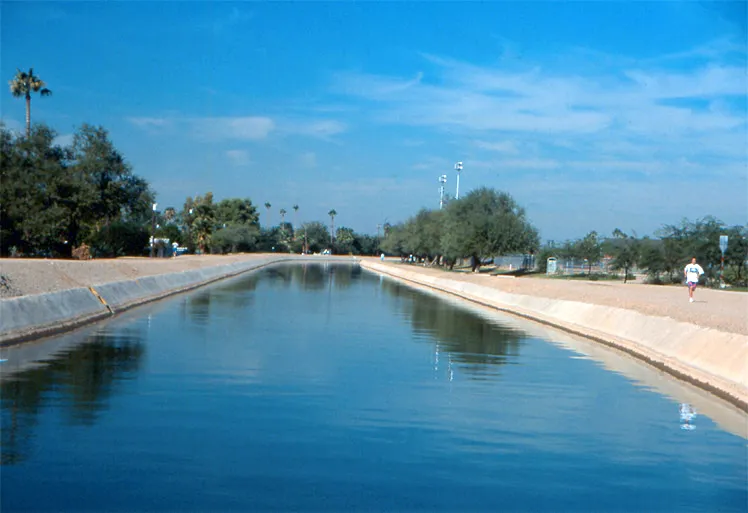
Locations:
458 168
153 228
442 181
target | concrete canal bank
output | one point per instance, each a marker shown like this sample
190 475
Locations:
700 353
76 293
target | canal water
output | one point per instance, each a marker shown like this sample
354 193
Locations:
314 387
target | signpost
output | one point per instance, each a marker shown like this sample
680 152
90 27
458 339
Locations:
722 248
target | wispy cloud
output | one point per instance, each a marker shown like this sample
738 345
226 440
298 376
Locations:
238 158
649 113
319 128
250 128
243 128
499 146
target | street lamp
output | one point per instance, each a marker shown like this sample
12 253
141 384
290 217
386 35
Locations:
153 228
458 168
442 181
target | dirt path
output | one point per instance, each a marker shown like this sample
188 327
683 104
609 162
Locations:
722 310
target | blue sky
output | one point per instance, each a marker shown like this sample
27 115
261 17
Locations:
593 115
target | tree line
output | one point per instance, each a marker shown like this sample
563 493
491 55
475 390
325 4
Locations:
663 258
57 199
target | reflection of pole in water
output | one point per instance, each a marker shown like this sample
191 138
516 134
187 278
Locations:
436 358
451 372
687 414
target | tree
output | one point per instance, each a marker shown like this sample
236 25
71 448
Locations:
625 251
314 234
295 213
34 182
283 222
332 213
203 220
236 211
55 198
486 223
267 207
170 214
23 84
590 248
242 237
345 239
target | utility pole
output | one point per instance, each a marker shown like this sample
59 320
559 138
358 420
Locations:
458 168
153 228
442 181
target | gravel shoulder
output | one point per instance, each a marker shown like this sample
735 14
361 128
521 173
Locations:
717 309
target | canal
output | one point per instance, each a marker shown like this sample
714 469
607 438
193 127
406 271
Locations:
324 387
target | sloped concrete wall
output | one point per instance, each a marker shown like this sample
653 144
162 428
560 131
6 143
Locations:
26 317
34 316
712 359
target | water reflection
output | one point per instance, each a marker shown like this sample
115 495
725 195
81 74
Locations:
464 336
312 276
84 376
236 293
687 414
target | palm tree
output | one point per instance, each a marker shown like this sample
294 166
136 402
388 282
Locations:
267 206
23 84
283 222
295 214
332 215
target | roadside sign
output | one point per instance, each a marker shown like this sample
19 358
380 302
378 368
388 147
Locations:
723 243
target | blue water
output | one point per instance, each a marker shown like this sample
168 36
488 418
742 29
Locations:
326 388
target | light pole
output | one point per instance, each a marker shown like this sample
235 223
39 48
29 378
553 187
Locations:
458 168
153 228
442 181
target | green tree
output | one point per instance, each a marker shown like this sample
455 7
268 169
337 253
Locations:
345 240
590 249
652 258
203 220
485 223
238 237
295 214
236 211
33 176
22 85
625 250
316 236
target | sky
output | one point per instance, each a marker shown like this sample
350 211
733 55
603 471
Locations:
592 115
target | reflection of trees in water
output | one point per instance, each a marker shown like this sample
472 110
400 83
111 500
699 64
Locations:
469 338
315 276
236 294
81 379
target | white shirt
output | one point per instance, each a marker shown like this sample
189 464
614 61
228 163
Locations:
693 271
